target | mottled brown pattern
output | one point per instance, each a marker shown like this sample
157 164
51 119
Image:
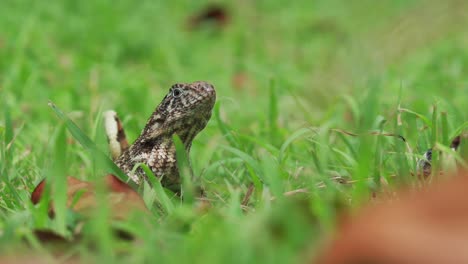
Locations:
121 137
184 111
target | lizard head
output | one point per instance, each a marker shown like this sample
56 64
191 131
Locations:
185 111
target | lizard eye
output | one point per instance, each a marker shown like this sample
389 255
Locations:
176 92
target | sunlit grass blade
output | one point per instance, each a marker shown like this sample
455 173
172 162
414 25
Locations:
322 210
449 152
7 141
444 128
377 173
353 106
260 142
223 162
422 117
434 132
348 158
400 159
457 131
348 144
12 199
273 178
315 159
234 208
251 164
273 112
434 140
57 177
320 152
161 195
363 171
225 129
293 137
8 135
365 157
89 145
185 170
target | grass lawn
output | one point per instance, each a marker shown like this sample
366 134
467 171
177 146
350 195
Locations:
309 94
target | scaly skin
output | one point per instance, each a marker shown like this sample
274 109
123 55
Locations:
184 111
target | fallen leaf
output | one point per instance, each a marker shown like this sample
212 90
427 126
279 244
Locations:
46 235
81 197
214 14
425 226
38 192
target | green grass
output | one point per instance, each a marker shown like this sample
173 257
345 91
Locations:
312 73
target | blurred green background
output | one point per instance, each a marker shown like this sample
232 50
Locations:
285 74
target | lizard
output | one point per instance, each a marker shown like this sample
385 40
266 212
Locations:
184 111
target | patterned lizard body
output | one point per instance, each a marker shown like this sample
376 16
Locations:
184 111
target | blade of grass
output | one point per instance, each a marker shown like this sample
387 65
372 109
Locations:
222 162
161 195
88 144
275 181
444 128
423 118
293 137
348 144
434 137
261 142
353 106
377 173
450 152
457 131
251 164
7 139
14 200
273 112
364 161
225 129
400 159
57 176
185 170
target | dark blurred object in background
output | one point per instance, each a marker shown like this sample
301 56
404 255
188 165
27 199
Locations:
425 226
215 15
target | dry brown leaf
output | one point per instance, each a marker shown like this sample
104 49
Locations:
425 226
214 14
121 198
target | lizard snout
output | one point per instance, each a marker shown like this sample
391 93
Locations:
206 88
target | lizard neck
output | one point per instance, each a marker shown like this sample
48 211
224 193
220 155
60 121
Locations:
155 132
